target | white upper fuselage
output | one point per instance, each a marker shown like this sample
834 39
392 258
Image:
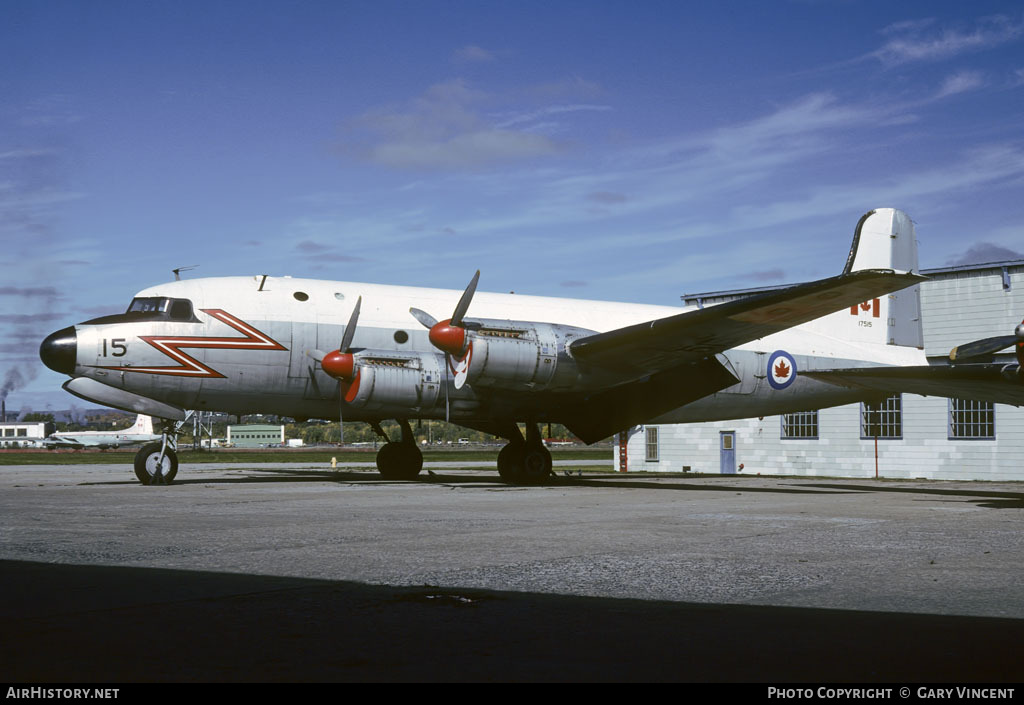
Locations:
294 316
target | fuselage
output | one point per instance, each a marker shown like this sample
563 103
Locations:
242 344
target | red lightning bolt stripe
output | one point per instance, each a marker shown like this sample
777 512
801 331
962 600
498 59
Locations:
190 367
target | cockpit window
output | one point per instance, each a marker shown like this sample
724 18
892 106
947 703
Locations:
151 308
149 304
175 309
181 309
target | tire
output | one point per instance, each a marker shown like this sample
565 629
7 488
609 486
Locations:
521 464
510 463
145 464
399 461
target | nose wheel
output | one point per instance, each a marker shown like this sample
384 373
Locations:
156 464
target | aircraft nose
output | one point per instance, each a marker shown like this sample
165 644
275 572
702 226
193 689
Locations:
60 350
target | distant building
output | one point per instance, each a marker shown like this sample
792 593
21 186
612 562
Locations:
23 435
255 435
927 437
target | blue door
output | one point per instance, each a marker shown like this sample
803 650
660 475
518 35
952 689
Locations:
727 444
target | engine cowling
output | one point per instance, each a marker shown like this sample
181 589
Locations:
388 380
519 355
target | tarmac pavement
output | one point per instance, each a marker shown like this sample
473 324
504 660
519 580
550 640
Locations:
294 572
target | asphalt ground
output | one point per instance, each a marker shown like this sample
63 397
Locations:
297 573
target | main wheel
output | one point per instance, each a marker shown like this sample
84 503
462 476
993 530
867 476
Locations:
536 465
146 465
510 463
522 464
399 461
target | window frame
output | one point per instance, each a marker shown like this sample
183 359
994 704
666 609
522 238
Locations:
865 409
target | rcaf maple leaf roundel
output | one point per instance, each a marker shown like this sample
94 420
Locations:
781 369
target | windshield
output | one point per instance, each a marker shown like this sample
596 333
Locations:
175 309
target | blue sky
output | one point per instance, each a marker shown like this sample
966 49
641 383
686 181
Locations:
630 151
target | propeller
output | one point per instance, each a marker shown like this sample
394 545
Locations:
341 365
449 336
990 346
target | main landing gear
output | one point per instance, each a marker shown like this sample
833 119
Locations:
157 463
525 462
399 460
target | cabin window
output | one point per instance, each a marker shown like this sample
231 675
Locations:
301 296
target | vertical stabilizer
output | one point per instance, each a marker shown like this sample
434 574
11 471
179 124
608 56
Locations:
143 424
884 239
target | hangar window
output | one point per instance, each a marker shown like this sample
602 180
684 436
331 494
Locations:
803 424
974 420
651 443
882 419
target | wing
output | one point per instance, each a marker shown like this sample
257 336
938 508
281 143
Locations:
1001 384
640 350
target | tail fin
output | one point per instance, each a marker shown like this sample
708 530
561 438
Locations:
143 424
884 239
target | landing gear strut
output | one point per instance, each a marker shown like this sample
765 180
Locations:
157 463
399 460
525 462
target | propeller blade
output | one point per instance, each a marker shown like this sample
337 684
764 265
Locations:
467 297
447 406
423 317
350 329
317 355
981 348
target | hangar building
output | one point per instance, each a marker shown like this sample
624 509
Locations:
255 435
23 435
918 437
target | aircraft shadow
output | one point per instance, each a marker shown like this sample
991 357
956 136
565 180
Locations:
489 481
88 623
986 498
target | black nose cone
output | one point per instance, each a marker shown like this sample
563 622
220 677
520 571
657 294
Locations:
59 350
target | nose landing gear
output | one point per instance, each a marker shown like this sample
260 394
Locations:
157 463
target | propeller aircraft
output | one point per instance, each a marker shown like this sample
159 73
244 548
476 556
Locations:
369 352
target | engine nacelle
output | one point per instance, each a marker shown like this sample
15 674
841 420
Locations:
391 379
520 355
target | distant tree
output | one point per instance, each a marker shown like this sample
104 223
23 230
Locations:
38 416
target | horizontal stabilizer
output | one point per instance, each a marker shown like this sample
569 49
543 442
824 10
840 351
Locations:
1000 384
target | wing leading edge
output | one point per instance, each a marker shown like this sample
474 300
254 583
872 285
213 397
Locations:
640 350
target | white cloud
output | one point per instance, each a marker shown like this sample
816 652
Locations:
447 128
918 44
961 82
473 54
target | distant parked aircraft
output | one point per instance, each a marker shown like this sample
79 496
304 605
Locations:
140 432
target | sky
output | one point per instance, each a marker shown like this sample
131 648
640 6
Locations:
629 151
